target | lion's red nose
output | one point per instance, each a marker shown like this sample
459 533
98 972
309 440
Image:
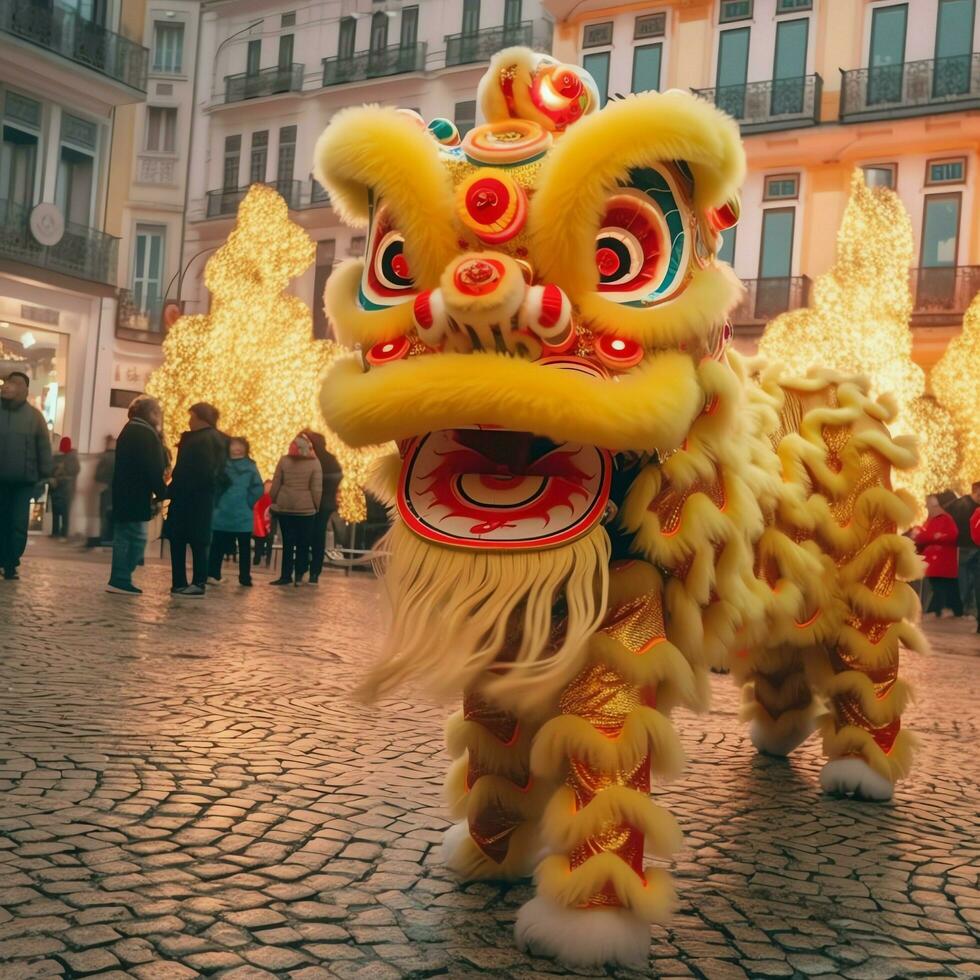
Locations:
478 277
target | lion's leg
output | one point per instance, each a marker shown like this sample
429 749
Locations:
491 793
777 703
596 898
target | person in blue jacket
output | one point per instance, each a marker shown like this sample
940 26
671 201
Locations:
231 523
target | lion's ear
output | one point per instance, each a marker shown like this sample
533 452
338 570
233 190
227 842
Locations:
628 148
368 154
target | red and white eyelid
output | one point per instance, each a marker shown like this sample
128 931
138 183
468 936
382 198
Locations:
429 314
547 313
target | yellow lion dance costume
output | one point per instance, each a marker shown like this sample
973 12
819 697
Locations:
595 499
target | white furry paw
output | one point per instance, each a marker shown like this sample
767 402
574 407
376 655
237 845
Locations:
771 742
582 937
854 777
462 856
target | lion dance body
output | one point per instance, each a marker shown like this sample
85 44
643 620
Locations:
595 499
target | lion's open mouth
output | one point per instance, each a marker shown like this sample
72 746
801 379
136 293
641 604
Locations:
485 487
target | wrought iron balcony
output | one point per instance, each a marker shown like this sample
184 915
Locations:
395 60
222 203
476 46
268 81
761 107
318 194
82 252
941 296
913 88
140 322
64 33
766 298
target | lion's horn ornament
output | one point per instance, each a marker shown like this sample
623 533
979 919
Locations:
541 319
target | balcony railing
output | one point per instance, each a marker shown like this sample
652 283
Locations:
475 46
77 39
942 295
141 322
766 298
82 252
396 60
318 195
268 81
910 89
225 202
759 107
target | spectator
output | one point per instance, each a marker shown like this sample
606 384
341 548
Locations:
137 478
975 535
962 510
104 471
296 490
936 542
262 525
25 460
330 469
233 518
64 476
201 455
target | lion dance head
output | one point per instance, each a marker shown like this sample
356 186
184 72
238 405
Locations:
528 320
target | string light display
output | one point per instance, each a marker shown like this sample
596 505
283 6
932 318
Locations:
858 323
253 356
955 381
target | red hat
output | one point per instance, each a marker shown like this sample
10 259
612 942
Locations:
65 445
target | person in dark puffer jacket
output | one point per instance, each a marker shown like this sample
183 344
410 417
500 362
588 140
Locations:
25 461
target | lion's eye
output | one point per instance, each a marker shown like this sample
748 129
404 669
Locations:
641 247
387 278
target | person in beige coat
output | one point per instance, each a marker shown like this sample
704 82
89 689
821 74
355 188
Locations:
297 486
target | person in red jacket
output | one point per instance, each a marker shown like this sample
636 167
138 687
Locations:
936 542
262 526
975 535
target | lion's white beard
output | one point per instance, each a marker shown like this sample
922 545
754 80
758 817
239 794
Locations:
451 609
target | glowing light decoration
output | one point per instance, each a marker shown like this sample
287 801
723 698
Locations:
858 323
955 381
254 356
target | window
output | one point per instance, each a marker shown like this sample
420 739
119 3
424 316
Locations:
148 258
285 50
288 19
287 153
253 57
259 157
881 175
646 67
19 149
168 47
512 13
326 252
792 6
952 171
940 230
464 115
734 10
782 187
318 193
597 65
726 251
887 54
776 255
379 31
789 66
356 247
471 16
597 35
75 186
954 46
650 25
122 397
233 154
161 129
410 27
346 38
733 66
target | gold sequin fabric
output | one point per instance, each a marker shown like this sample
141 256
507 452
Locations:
668 505
637 624
492 829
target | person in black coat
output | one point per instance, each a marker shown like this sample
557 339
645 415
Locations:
328 502
137 479
201 455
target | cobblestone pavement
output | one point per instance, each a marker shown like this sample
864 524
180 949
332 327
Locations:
189 791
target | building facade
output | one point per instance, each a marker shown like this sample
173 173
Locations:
273 74
819 87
